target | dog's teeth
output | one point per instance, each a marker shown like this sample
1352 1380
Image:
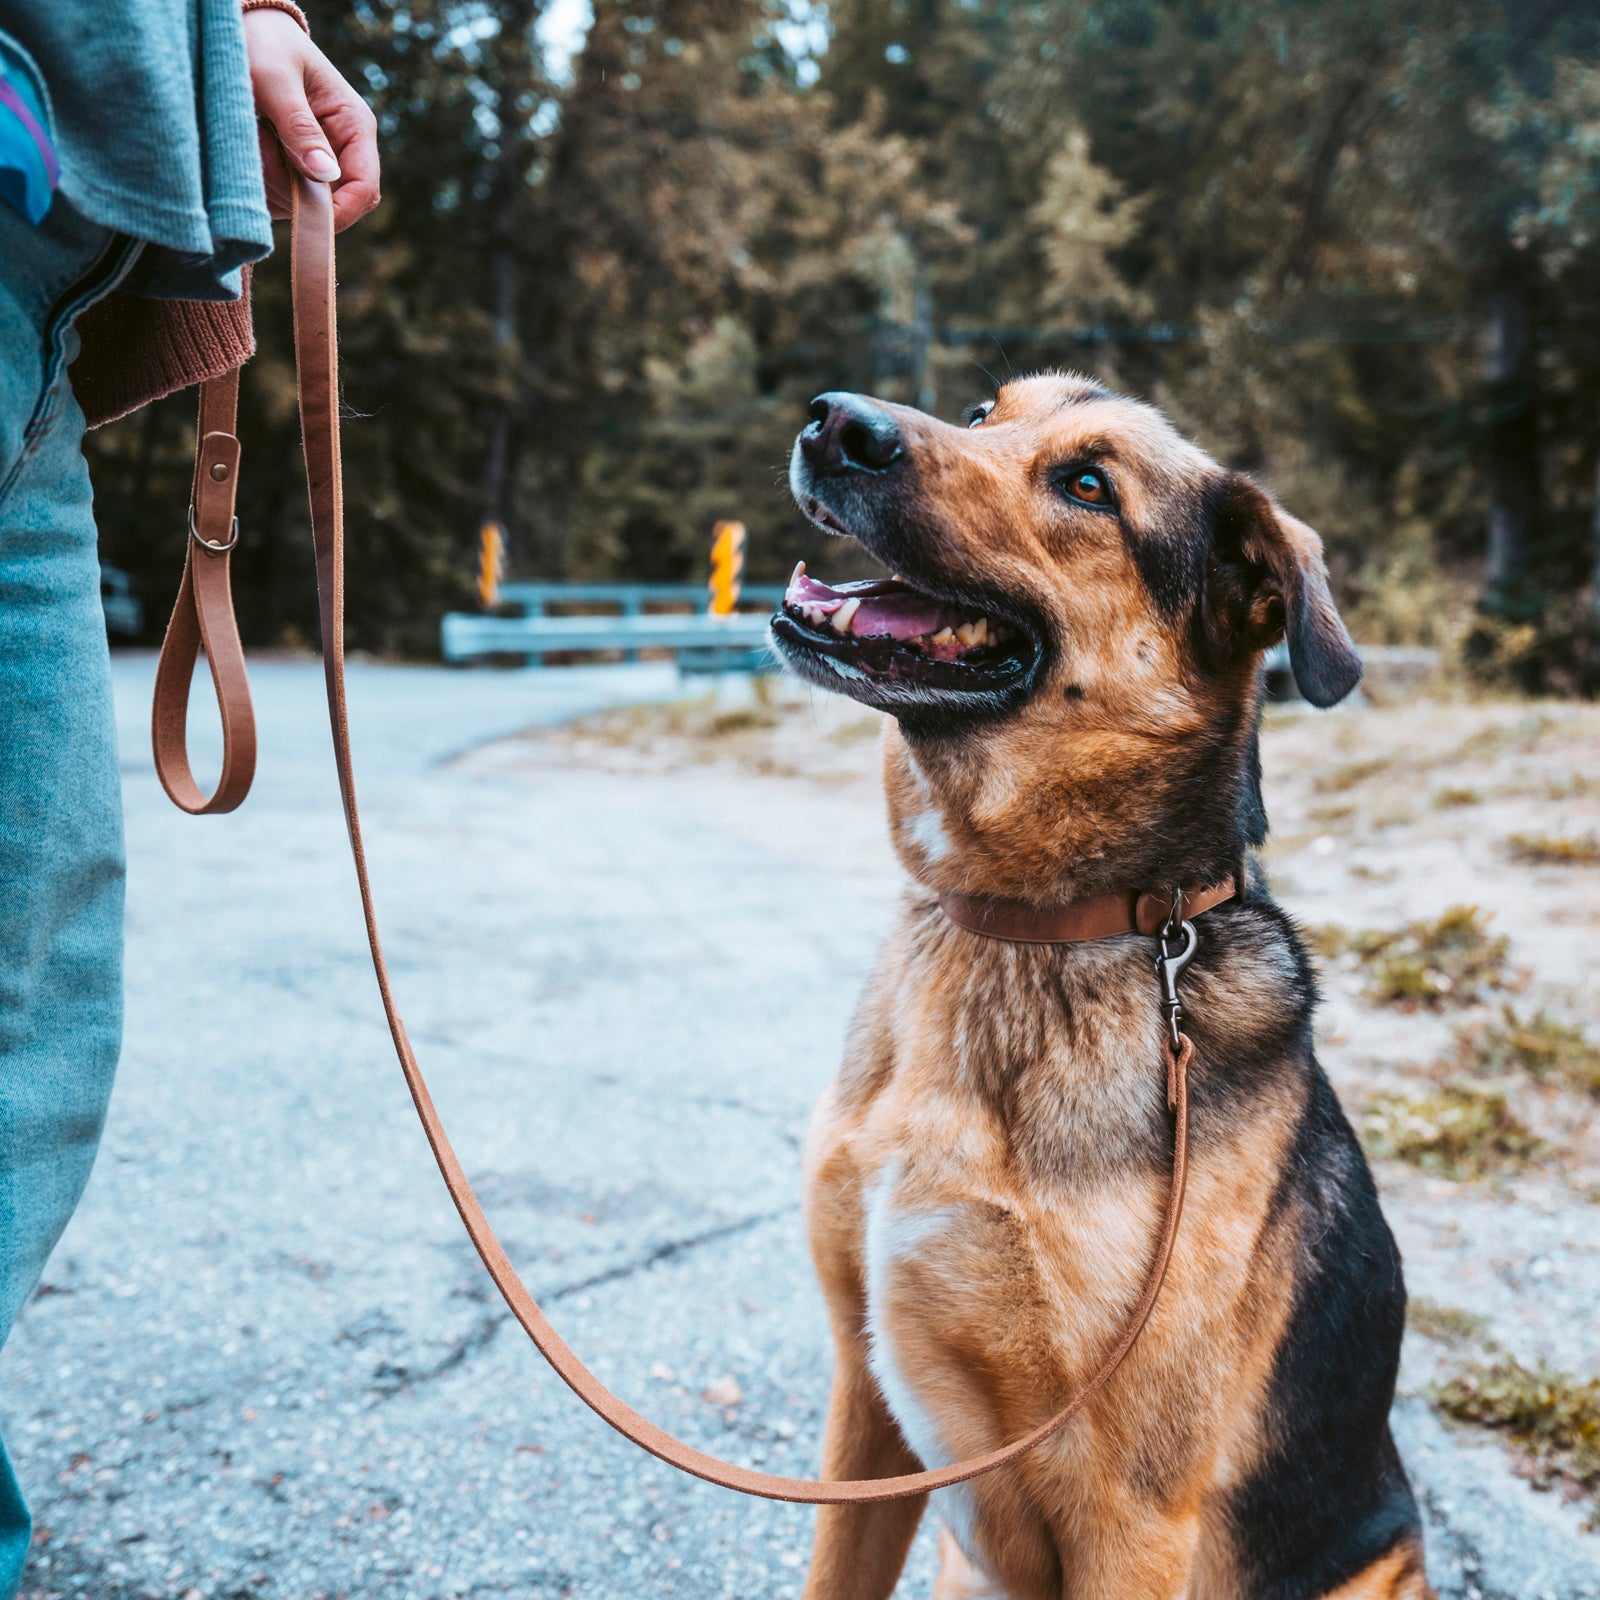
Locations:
973 634
813 614
798 573
842 617
943 636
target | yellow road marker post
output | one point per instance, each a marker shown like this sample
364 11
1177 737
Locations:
491 564
727 567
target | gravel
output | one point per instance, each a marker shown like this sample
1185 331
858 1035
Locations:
264 1361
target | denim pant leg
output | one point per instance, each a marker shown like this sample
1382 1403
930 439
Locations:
61 860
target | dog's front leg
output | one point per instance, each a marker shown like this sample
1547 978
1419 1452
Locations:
859 1550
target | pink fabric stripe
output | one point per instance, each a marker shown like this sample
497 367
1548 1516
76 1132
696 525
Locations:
15 103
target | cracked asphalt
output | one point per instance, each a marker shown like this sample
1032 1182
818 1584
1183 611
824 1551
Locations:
264 1361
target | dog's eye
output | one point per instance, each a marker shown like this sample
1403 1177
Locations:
1088 486
976 414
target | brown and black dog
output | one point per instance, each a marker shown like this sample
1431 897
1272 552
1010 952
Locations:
1071 656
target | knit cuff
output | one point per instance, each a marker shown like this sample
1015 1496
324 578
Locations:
277 5
135 351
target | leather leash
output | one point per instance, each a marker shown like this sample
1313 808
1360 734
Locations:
204 616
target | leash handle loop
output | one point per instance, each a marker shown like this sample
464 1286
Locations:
316 356
203 619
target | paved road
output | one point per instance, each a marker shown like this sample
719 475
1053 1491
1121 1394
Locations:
264 1362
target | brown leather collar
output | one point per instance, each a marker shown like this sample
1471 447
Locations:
1101 916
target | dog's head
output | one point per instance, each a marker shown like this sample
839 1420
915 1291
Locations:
1073 635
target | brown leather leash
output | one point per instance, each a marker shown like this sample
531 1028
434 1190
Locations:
204 618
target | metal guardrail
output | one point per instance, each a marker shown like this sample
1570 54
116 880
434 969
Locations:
631 599
700 640
640 622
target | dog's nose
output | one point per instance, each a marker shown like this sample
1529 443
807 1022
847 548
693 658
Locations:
850 433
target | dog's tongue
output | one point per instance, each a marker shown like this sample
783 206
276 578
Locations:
885 608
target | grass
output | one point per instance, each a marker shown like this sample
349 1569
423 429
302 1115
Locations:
1447 1324
702 718
1339 811
1576 786
1453 960
1551 1418
1455 799
1456 1133
1352 774
1498 738
1542 1046
740 719
1329 940
857 732
1554 1418
1370 874
1545 849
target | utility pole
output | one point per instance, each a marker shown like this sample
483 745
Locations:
518 74
1513 432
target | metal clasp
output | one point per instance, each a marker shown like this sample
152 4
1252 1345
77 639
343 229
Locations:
1168 965
210 544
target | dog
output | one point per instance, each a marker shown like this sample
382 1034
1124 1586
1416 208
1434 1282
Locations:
1070 653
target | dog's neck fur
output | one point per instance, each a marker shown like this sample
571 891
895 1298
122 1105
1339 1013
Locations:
1106 814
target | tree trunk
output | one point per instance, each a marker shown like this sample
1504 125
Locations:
1513 435
923 396
1594 546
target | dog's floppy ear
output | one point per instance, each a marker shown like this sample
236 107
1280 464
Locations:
1268 581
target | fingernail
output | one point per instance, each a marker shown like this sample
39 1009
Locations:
322 165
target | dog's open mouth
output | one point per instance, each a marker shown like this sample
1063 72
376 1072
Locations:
887 630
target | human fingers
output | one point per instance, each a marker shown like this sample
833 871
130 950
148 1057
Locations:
281 61
351 129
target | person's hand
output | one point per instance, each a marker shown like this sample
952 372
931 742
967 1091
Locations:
322 125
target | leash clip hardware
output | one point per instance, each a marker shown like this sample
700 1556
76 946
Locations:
1168 965
216 549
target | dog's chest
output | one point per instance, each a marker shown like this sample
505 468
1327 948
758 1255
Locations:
1012 1174
984 1317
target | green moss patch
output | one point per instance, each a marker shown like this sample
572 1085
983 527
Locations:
1552 1417
1455 1133
1545 1048
1545 849
1352 775
1451 961
1447 1324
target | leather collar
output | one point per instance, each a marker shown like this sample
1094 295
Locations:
1101 916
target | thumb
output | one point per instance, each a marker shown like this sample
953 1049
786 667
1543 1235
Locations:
302 138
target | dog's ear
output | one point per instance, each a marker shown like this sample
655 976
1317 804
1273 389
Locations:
1268 581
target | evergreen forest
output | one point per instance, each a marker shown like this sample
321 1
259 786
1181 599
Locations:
1351 246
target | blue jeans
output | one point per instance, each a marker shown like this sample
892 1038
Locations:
61 865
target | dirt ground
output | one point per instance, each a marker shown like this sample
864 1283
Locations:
1443 856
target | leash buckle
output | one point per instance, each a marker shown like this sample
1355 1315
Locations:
1169 965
